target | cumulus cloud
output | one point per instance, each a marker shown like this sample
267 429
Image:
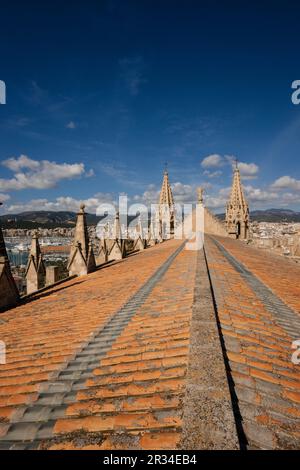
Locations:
34 174
289 198
16 164
4 197
150 196
183 193
63 203
215 202
256 197
212 174
212 161
260 195
247 170
287 182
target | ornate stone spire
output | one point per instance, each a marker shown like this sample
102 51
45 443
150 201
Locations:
237 211
116 245
81 232
9 295
35 271
166 195
81 259
140 242
151 234
117 232
166 206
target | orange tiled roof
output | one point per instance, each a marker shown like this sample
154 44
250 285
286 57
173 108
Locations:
258 345
44 335
281 275
104 361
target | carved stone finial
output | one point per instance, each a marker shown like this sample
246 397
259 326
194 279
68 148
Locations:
35 270
200 195
166 210
80 260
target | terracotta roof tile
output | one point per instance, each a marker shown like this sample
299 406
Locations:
100 362
148 359
266 381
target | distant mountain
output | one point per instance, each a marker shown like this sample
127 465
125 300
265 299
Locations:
67 219
44 219
275 215
272 215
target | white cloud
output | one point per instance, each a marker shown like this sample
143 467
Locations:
287 182
4 197
255 197
184 193
259 195
39 174
150 196
212 161
212 174
289 198
215 202
16 164
71 125
248 170
225 192
63 203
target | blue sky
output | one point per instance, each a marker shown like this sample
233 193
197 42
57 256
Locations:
100 94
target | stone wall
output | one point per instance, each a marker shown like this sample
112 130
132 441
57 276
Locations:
213 225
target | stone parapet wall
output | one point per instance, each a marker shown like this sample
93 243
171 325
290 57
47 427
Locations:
213 225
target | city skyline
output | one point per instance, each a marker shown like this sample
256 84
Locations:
91 112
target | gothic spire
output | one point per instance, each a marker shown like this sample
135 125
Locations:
237 211
117 231
81 232
35 271
237 197
166 214
81 256
166 195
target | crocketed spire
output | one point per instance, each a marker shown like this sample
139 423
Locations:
237 211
